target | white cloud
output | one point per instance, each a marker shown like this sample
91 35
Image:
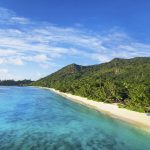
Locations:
40 58
19 20
3 71
16 61
10 61
47 44
7 52
9 17
2 60
100 58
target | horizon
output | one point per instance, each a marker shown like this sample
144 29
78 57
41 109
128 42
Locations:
38 38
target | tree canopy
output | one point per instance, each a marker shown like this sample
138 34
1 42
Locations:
123 81
14 83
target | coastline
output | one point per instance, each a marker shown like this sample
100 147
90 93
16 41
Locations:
140 120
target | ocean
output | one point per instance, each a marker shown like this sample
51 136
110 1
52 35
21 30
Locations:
38 119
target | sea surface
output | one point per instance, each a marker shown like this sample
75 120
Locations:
37 119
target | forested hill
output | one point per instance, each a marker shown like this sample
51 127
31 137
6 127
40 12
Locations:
15 83
123 81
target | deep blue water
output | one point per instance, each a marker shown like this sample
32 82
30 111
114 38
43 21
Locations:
37 119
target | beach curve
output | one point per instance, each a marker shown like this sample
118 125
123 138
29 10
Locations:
140 120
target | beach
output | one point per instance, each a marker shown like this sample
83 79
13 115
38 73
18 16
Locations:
140 120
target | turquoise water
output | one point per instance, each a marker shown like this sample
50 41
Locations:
37 119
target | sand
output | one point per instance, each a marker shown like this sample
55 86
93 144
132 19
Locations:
141 120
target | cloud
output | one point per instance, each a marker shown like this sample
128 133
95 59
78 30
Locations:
2 60
9 17
7 52
10 61
100 58
56 42
16 61
19 20
40 58
3 73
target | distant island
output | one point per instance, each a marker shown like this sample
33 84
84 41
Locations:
122 81
15 83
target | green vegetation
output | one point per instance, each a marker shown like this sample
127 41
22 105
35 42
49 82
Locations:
15 83
123 81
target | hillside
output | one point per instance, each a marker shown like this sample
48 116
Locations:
123 81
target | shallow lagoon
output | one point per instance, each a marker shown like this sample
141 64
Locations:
37 119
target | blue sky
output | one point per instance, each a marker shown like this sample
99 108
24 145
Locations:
39 37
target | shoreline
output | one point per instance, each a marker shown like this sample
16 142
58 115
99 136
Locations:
140 120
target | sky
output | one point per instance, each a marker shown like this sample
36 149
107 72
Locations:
38 37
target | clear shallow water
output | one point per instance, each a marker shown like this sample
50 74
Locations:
37 119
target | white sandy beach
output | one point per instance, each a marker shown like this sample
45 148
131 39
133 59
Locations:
138 119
